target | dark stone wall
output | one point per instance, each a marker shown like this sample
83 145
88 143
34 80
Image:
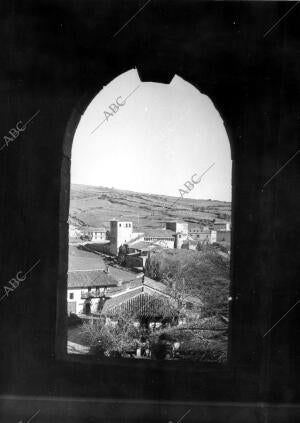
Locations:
55 57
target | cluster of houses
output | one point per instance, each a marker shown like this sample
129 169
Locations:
109 290
101 292
174 235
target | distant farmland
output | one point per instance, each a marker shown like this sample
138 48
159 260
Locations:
96 206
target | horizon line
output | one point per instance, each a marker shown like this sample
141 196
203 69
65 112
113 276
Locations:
149 193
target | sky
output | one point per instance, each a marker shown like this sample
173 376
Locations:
153 139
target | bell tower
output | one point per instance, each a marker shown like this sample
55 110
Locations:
120 233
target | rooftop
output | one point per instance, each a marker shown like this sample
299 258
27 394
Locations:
85 263
159 233
85 260
115 290
137 301
90 279
155 285
92 229
117 301
143 245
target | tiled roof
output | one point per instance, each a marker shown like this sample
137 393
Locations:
145 301
120 299
143 245
90 229
159 233
156 285
85 263
138 302
121 275
119 289
148 283
90 278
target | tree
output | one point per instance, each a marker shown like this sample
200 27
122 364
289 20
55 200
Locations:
199 246
123 250
205 275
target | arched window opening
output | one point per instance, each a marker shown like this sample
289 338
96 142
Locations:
150 224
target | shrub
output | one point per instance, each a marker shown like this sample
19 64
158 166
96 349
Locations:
112 340
204 351
194 344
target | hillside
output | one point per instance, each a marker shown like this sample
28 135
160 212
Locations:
96 206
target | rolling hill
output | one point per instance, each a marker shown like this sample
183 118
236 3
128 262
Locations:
96 206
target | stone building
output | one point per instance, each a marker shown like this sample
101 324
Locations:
203 234
222 226
95 234
121 233
86 288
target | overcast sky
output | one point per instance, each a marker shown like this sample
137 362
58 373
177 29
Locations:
154 143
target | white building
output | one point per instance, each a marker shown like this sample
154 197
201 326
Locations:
163 237
203 234
87 289
222 226
95 234
173 235
122 233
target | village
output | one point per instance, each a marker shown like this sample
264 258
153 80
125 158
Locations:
125 307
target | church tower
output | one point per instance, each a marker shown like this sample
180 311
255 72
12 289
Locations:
120 233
